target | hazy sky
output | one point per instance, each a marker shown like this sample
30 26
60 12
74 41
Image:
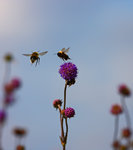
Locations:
100 34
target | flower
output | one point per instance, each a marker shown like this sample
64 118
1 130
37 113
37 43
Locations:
116 109
57 102
9 99
16 83
2 116
20 147
19 131
9 88
124 90
116 144
126 132
8 57
68 71
69 112
123 147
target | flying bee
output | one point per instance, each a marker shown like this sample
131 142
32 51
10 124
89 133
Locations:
34 57
62 54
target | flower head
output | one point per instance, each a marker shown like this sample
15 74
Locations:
69 112
16 83
20 132
8 57
2 116
20 147
9 88
57 102
126 133
124 90
116 144
116 109
68 71
9 99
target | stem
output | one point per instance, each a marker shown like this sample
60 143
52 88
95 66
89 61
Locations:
7 72
65 95
66 129
127 116
0 137
116 127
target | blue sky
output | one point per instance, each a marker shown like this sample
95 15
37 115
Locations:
100 34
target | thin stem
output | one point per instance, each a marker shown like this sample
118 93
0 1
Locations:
0 137
7 72
127 116
116 127
65 95
66 129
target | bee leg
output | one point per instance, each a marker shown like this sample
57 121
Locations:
39 60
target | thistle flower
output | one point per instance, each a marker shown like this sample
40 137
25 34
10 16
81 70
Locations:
124 90
57 102
68 71
116 109
69 112
16 83
126 133
2 116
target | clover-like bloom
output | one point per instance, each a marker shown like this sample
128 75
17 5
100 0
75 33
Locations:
124 90
57 102
16 83
9 99
68 71
20 132
69 112
126 133
116 109
116 144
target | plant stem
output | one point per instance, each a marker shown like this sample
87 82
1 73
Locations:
127 116
65 95
116 127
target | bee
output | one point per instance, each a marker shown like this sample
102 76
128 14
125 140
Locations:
34 57
62 54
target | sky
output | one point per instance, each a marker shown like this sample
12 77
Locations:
100 37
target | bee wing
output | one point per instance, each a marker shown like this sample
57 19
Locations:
43 53
27 54
65 50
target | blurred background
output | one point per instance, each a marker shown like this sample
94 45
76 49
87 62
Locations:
100 37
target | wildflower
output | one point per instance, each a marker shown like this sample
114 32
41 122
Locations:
123 147
116 144
9 88
126 133
16 83
124 90
20 147
8 57
57 102
69 112
116 109
19 132
68 71
2 116
9 99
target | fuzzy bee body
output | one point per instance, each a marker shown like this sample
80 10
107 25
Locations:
34 57
62 54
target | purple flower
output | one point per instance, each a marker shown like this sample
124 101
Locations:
9 99
68 71
69 112
16 83
2 116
